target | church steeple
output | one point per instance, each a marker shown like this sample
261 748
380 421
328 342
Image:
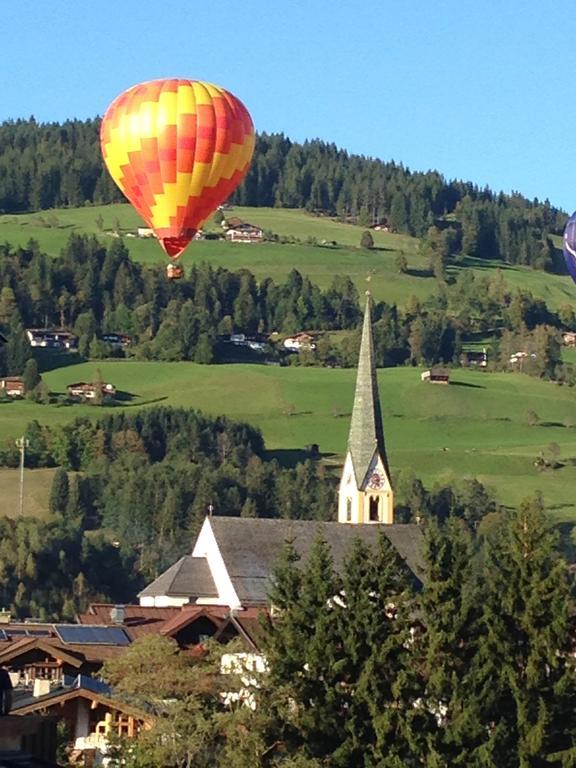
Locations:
365 493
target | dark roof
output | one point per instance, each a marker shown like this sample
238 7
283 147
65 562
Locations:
138 620
190 613
366 435
250 547
188 577
82 687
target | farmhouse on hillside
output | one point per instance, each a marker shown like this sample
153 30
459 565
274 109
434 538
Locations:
238 231
298 342
82 390
436 376
13 386
41 337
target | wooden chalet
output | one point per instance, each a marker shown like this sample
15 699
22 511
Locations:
91 711
242 232
13 386
51 339
436 376
82 390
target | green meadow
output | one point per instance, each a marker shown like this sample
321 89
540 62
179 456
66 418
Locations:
374 269
476 427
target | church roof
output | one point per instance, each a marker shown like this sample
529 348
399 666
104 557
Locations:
250 547
366 435
188 577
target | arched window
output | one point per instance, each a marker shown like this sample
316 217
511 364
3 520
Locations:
348 509
374 509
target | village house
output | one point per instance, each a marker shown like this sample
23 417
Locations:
257 342
472 357
569 339
41 337
13 386
82 390
436 376
92 713
298 342
117 340
238 231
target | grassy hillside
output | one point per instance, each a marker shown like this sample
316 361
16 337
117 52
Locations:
52 229
37 485
477 426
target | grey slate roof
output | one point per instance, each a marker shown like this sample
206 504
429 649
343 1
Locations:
188 577
250 547
366 435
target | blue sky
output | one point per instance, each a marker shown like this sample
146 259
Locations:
481 91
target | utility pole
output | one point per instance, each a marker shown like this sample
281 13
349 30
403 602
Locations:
22 443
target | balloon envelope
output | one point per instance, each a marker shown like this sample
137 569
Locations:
177 149
569 245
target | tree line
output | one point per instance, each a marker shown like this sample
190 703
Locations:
49 165
149 479
92 289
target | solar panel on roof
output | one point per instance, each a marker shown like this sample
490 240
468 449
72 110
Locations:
29 632
91 635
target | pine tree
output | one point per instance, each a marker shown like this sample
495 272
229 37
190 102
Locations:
367 241
18 349
385 719
301 648
524 669
30 375
59 493
451 617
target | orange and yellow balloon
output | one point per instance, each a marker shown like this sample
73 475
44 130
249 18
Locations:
177 149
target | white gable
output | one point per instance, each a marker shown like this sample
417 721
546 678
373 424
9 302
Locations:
207 546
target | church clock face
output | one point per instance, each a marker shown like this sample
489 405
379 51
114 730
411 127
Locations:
375 481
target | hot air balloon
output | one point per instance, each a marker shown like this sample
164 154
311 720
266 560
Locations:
177 149
569 245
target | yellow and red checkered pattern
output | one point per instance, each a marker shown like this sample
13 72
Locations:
177 149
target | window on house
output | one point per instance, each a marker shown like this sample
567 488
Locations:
374 509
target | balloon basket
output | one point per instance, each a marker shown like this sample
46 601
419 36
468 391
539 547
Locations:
174 272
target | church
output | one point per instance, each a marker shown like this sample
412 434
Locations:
232 558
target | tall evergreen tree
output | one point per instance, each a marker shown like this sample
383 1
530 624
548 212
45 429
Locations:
18 349
301 648
524 670
451 617
59 492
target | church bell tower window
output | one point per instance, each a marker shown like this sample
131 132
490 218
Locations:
374 511
348 509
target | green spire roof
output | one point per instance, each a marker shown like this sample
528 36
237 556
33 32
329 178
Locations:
366 436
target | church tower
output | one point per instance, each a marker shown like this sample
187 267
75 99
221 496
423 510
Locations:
365 494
